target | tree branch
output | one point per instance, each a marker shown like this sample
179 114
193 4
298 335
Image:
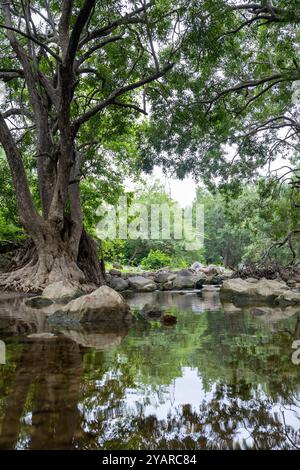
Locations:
17 112
118 92
33 39
80 23
129 18
27 211
130 106
98 46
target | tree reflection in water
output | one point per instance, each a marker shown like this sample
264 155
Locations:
214 381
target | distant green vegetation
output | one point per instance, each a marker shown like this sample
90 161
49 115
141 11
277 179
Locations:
238 228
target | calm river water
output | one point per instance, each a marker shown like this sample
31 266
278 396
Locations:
221 378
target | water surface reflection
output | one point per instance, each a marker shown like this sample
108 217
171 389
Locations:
217 379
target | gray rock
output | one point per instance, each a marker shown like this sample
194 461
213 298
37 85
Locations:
263 289
115 272
164 277
211 270
189 281
185 272
166 269
196 266
102 305
167 286
152 312
119 284
142 284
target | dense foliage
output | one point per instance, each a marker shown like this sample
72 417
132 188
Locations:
215 94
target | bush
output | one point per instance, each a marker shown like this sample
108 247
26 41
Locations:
156 259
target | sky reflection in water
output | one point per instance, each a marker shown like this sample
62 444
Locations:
220 378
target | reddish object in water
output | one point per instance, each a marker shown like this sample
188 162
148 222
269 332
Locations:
169 319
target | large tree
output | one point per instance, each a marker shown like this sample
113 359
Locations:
72 72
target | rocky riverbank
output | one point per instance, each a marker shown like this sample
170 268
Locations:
166 279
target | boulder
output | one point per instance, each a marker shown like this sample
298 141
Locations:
211 270
141 284
164 277
102 305
185 272
202 279
61 290
163 270
115 272
184 282
239 290
189 281
218 279
196 266
167 286
119 284
151 312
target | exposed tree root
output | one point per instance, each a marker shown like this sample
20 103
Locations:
268 271
34 276
29 273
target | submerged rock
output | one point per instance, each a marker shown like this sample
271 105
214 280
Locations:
102 305
152 312
38 302
168 319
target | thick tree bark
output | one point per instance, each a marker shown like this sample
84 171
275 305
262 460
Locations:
36 265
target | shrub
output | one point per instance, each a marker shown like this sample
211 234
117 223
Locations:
156 259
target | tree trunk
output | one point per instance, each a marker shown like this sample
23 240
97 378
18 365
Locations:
52 259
